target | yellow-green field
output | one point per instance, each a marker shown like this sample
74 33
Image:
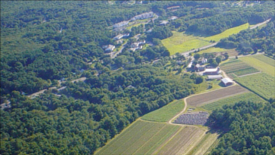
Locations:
165 113
212 50
181 42
228 32
259 64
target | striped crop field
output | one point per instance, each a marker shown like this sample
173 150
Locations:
260 64
182 141
237 67
165 113
249 96
140 138
261 84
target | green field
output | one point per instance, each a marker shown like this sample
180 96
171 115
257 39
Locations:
232 100
259 64
212 50
181 42
140 138
262 84
228 32
165 113
237 67
265 59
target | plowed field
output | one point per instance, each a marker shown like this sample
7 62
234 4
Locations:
201 99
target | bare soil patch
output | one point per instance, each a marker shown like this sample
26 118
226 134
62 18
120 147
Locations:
201 99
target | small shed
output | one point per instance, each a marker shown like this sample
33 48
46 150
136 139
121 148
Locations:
227 81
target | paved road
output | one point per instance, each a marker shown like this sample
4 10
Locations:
257 25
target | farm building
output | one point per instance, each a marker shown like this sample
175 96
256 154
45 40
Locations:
212 77
173 17
109 48
163 22
212 71
199 68
143 16
121 36
190 64
121 24
227 81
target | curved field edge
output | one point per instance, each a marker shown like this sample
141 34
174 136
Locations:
249 96
165 113
141 137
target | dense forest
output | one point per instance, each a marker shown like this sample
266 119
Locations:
87 114
46 42
248 126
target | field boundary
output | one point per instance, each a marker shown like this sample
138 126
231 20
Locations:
250 74
204 103
251 90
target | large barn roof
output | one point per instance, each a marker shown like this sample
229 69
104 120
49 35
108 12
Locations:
227 80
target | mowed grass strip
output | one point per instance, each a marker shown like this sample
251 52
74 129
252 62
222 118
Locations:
265 59
204 98
262 84
228 32
249 96
122 139
213 50
165 113
237 67
159 138
182 141
258 64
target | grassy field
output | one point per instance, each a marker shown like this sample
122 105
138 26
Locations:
228 32
249 96
181 142
165 113
265 59
237 67
140 138
181 42
212 50
259 64
262 84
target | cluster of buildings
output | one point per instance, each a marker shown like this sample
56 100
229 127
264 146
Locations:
108 48
143 16
137 45
120 24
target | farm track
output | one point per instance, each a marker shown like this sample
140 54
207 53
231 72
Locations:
250 74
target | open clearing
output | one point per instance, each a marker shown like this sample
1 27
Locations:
237 67
181 42
201 99
255 62
262 84
228 32
249 96
140 138
165 113
212 50
204 144
182 142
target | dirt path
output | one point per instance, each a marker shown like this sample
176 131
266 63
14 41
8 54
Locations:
249 74
257 25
